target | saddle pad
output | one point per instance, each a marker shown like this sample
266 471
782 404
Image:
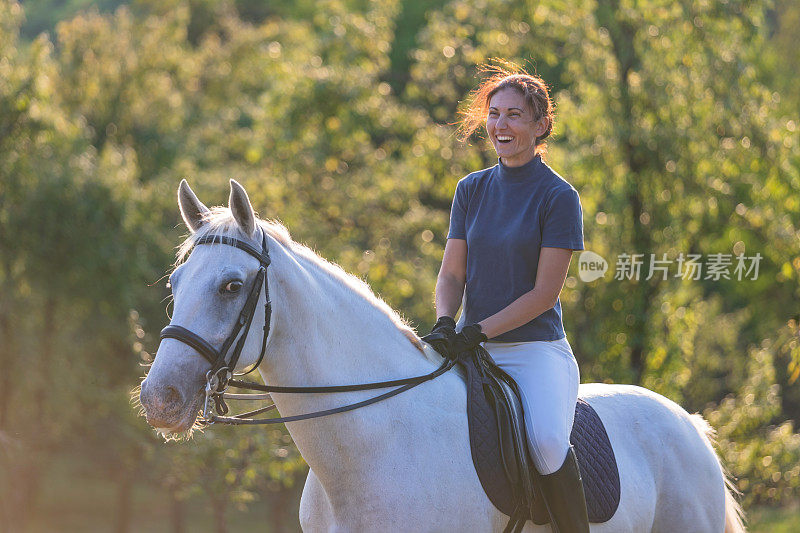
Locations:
597 463
596 459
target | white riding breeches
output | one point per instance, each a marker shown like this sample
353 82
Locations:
547 376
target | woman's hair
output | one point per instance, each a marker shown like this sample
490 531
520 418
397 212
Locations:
497 77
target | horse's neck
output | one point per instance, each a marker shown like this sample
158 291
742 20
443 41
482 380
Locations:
325 333
332 331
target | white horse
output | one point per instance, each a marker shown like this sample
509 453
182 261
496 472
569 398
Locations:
403 464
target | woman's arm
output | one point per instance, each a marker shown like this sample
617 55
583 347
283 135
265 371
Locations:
451 279
550 276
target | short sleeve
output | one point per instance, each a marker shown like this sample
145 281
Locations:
563 221
458 213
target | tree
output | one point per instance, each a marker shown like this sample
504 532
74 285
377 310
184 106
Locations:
666 127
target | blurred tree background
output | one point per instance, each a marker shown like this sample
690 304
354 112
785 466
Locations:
677 121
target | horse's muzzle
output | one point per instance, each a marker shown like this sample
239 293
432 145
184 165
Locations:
164 406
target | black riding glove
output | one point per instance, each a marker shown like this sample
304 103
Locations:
467 340
441 336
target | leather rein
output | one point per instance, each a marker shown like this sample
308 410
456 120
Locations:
221 375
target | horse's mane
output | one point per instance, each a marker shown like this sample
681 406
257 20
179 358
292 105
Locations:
220 219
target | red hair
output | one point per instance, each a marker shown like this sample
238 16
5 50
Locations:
497 77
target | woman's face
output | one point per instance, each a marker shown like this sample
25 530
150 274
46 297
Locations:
512 128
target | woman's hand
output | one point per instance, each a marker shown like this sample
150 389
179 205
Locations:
441 336
466 340
444 339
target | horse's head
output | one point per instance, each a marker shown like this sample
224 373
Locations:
210 288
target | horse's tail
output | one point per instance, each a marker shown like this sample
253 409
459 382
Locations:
734 516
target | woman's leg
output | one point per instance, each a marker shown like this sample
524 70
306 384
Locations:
548 377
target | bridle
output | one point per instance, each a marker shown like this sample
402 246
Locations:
222 369
221 375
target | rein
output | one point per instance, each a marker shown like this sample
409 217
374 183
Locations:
243 418
221 375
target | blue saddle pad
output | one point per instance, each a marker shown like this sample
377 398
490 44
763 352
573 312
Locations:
596 459
597 463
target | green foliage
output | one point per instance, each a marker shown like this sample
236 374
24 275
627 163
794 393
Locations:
676 121
765 457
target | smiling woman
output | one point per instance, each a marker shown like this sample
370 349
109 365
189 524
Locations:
513 128
513 228
517 112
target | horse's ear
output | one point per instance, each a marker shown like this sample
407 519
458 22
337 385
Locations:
192 210
241 208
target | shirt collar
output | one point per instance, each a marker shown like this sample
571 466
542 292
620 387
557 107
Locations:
527 170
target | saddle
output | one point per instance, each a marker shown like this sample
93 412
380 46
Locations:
499 447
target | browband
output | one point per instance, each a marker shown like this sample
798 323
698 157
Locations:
263 258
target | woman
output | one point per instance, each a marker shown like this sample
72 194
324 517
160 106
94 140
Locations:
513 228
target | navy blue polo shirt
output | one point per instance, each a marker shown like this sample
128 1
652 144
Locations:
506 214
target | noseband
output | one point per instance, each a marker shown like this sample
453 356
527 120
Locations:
221 374
222 370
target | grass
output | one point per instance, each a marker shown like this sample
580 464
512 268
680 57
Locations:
91 509
74 501
774 519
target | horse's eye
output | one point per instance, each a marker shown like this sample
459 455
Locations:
232 286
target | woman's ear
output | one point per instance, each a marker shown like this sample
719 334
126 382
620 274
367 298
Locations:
541 127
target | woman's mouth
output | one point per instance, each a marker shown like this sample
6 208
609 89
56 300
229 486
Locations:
504 138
